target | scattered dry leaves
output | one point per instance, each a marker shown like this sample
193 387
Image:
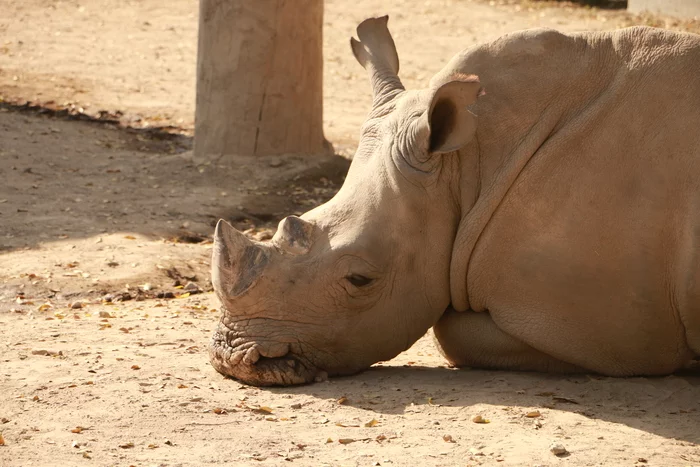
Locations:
346 425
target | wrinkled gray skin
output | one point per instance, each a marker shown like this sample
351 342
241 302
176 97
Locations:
559 231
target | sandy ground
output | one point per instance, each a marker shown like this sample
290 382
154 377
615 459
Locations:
105 301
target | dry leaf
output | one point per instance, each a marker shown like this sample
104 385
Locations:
343 425
129 237
262 409
105 326
152 446
77 429
346 440
480 419
448 439
342 400
2 440
128 445
45 307
135 367
184 295
86 455
533 414
329 440
372 423
271 419
181 386
220 411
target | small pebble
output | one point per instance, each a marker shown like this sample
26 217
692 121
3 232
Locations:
47 353
558 449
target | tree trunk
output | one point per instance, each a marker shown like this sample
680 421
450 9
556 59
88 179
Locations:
259 78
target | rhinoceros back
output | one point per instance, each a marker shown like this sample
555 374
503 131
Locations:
585 239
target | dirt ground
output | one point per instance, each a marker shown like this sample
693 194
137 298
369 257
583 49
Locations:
105 235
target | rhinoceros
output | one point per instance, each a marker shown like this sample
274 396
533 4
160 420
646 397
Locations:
538 206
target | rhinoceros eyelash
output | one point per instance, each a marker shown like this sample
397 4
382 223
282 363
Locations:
358 280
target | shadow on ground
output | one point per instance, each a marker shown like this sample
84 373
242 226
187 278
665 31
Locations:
666 406
81 178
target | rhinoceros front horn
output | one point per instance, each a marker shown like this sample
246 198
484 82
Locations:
236 261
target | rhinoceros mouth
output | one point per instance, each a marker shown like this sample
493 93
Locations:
246 362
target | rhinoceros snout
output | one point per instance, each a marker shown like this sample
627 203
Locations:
259 364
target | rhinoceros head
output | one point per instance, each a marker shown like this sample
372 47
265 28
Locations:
360 278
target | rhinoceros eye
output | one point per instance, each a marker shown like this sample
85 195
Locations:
358 280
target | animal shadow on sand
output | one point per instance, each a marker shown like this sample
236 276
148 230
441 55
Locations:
666 406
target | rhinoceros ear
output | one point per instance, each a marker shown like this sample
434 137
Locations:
450 124
376 52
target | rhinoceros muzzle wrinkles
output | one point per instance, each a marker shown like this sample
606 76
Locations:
259 362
